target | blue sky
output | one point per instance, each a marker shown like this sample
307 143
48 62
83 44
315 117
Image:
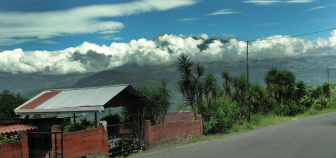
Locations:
246 19
119 28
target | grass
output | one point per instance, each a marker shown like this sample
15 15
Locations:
257 121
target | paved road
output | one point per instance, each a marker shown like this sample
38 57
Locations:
309 137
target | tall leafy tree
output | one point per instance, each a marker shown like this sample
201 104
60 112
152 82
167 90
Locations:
163 100
189 82
199 85
257 96
300 90
280 84
227 83
210 83
8 102
240 94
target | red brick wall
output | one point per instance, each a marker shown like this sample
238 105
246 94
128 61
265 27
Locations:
91 142
164 133
17 149
10 150
179 116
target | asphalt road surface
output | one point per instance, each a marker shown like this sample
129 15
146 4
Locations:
309 137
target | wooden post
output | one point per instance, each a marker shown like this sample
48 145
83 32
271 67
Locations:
96 119
74 116
329 86
247 80
139 128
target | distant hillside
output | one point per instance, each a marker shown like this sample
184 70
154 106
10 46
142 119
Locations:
312 70
27 83
112 77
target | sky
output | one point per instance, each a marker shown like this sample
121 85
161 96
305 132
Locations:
78 36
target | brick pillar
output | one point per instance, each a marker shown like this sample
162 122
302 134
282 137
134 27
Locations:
104 141
200 119
24 144
56 128
147 133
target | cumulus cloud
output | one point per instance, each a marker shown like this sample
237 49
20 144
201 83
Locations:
20 27
164 49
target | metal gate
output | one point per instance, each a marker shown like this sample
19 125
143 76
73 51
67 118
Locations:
45 144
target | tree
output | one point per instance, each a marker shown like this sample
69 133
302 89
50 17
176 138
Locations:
189 83
240 94
300 90
257 96
280 84
226 85
163 100
326 91
199 85
8 102
210 83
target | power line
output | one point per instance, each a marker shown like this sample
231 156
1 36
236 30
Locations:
310 33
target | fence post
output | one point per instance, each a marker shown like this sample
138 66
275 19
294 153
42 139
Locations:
24 144
147 133
56 140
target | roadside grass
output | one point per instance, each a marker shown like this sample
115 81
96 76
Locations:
257 121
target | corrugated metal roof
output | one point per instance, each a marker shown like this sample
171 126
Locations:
75 98
82 97
40 100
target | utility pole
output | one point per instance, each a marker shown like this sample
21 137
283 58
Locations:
247 80
328 85
247 67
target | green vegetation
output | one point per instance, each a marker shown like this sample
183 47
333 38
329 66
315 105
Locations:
83 125
8 102
257 121
240 102
8 139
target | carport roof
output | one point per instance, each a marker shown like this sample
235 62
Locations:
90 99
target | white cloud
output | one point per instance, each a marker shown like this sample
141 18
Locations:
19 27
315 8
300 1
262 2
189 19
223 12
90 57
269 2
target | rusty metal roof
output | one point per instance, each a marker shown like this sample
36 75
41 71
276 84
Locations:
16 128
75 99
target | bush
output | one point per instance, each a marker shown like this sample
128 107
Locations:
72 127
220 115
290 109
8 139
85 124
111 119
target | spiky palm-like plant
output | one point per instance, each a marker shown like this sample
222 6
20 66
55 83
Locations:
227 83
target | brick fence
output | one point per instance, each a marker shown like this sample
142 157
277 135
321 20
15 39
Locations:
17 149
10 150
90 142
168 132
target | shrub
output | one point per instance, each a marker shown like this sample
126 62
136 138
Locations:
290 109
73 127
220 115
111 119
8 139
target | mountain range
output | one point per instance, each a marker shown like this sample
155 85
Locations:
312 70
